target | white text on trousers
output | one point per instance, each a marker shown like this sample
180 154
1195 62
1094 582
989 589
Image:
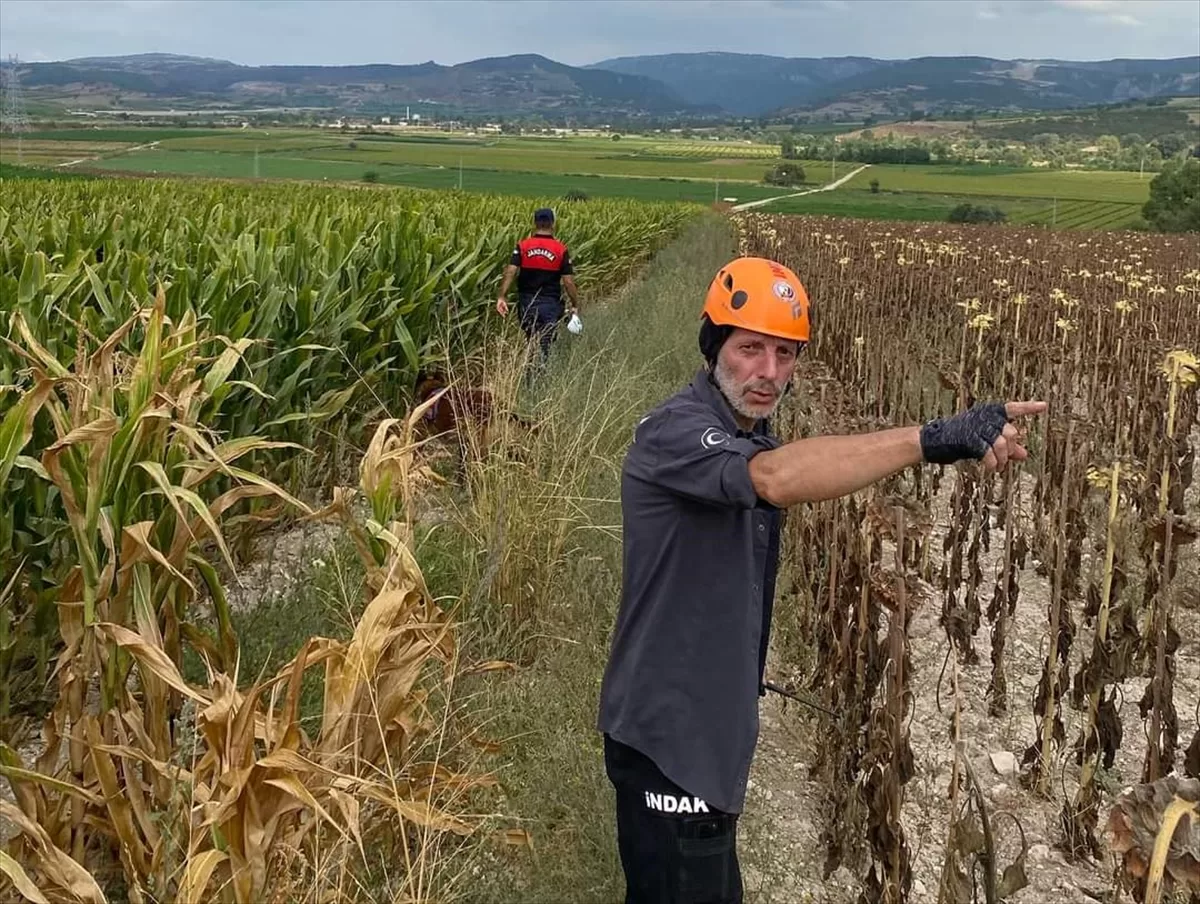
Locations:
667 803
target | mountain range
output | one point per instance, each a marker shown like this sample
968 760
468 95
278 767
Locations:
750 85
696 85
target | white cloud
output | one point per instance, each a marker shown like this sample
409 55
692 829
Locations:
987 12
1110 12
1093 6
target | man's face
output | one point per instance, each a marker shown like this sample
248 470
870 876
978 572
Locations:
753 370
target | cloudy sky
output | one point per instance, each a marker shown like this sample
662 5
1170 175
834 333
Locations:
256 32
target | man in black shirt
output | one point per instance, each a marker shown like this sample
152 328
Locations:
541 265
702 490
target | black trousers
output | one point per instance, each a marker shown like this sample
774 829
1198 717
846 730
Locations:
675 848
540 318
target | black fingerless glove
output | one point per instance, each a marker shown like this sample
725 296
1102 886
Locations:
966 435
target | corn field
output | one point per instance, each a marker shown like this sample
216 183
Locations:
170 352
307 282
914 323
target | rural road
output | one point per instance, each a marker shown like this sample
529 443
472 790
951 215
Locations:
830 187
100 156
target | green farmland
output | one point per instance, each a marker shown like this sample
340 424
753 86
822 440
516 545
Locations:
1076 185
926 206
273 166
627 157
652 169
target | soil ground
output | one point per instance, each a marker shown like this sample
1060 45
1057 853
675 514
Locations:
782 816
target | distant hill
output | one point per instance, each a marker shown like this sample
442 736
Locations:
754 85
741 83
692 85
513 84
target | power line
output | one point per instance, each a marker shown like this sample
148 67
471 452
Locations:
12 118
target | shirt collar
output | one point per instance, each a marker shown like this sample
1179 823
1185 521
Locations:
706 389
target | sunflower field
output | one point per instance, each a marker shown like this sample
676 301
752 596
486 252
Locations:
1066 590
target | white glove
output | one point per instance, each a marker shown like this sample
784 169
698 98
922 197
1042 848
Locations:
575 325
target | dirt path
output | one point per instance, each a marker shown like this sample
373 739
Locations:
750 205
783 823
140 147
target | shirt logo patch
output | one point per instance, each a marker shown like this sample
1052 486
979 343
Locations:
542 252
714 437
639 425
669 803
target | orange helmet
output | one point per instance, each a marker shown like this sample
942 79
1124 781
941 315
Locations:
760 295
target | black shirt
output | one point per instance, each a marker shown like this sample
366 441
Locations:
543 261
701 551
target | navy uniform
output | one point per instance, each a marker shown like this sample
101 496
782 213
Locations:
542 262
679 702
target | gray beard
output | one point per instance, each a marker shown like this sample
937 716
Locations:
733 394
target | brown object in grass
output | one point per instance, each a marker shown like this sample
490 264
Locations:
467 413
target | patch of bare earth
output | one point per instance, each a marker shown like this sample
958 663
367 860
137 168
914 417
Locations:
936 129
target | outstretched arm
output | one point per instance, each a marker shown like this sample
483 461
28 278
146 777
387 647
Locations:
826 467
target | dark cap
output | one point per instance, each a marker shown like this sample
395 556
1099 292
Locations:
543 215
712 337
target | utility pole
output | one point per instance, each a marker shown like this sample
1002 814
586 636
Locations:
460 173
13 120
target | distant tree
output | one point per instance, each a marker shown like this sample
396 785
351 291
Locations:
576 194
1174 204
786 174
1015 157
616 138
352 145
874 186
976 213
788 148
1172 143
371 176
1110 145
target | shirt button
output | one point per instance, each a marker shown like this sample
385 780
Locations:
761 528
